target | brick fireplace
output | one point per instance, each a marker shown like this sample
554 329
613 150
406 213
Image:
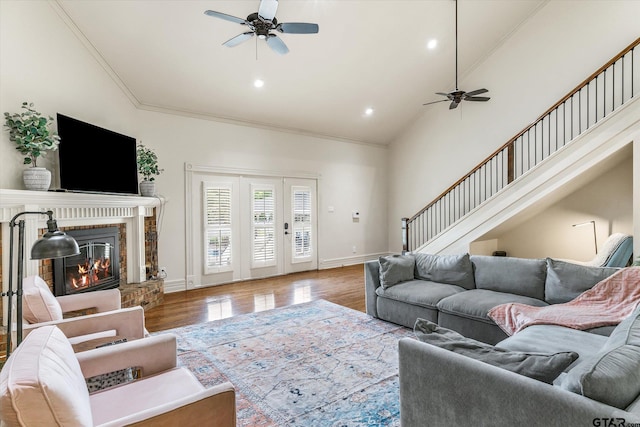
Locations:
134 217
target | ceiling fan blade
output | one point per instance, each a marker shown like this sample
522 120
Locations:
298 28
235 41
267 10
225 17
435 102
477 98
277 45
476 92
453 105
442 93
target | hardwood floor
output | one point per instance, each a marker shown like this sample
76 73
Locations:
344 286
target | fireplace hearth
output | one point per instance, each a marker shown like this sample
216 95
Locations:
97 267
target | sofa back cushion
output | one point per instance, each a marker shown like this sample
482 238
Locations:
520 276
565 280
39 304
395 269
42 384
451 269
612 375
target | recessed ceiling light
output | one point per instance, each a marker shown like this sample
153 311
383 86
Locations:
258 83
368 111
432 44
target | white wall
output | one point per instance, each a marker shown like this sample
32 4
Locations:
549 55
608 200
42 60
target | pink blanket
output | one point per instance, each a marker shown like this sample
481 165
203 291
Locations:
607 303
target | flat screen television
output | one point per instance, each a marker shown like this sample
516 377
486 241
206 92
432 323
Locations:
96 160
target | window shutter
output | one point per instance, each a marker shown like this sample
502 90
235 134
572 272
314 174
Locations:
264 226
302 229
218 236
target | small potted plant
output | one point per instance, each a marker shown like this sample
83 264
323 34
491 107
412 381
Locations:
32 134
148 168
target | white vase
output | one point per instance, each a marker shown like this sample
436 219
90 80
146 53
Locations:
36 179
148 188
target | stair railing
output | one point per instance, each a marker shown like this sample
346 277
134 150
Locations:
606 90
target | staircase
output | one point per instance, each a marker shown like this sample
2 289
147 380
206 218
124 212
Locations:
589 128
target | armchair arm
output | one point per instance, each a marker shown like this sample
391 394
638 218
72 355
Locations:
128 323
154 354
440 387
371 283
102 300
215 406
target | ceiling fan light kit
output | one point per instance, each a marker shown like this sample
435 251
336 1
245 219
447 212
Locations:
457 96
262 23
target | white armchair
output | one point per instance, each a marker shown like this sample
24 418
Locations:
42 308
43 384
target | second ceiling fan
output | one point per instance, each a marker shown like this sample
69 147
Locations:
457 96
262 23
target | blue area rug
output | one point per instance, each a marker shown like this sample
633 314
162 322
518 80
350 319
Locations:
312 364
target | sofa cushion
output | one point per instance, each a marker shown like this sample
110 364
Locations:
520 276
42 383
476 303
451 269
419 292
612 375
395 269
554 339
39 304
565 280
543 367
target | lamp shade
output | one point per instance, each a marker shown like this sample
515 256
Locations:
54 244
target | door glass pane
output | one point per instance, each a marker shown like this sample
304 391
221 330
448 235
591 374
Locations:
264 226
301 198
217 200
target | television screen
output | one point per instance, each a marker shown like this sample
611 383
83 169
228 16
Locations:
93 159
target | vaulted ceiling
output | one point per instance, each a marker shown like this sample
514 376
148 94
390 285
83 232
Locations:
168 56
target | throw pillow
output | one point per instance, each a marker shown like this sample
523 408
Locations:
612 375
565 280
395 269
39 304
451 269
539 366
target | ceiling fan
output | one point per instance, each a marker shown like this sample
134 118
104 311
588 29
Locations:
262 23
457 96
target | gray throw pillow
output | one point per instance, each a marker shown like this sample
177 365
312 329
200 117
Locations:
539 366
451 269
395 269
565 280
612 375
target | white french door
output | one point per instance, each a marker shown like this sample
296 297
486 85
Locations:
253 227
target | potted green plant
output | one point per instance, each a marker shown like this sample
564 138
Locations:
148 168
32 134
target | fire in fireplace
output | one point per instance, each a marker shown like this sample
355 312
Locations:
95 268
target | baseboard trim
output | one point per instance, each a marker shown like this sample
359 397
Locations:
174 286
342 262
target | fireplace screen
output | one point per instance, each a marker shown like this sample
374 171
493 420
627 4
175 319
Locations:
97 265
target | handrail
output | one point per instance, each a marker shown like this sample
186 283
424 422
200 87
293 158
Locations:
511 148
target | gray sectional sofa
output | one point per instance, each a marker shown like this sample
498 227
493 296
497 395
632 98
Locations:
457 291
441 385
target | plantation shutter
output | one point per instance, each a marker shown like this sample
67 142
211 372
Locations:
218 236
264 225
302 224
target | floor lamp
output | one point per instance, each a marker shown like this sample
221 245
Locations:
595 239
53 244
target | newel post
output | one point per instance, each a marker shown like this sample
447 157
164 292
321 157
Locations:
511 162
405 235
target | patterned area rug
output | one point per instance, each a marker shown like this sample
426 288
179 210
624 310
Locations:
312 364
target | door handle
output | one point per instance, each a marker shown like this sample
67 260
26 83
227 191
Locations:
286 227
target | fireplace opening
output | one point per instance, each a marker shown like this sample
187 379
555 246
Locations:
97 266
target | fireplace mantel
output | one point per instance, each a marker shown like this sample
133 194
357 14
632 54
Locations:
78 209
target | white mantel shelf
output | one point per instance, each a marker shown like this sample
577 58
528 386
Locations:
78 209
